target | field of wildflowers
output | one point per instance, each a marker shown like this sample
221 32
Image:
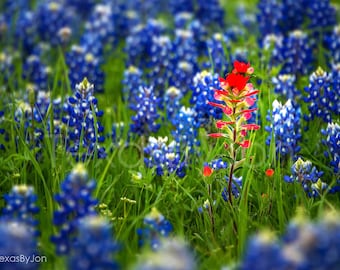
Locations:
169 134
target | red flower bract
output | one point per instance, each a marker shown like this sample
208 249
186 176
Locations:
237 81
207 171
240 67
270 172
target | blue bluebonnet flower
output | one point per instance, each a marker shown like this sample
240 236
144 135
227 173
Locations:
182 19
156 228
25 32
178 6
133 79
125 18
332 134
333 44
186 129
272 45
322 99
172 98
184 61
236 188
51 16
160 63
285 128
219 50
202 91
144 122
210 13
36 72
217 164
297 54
31 113
17 240
84 7
247 19
83 125
269 21
94 246
284 85
75 202
321 16
315 244
165 158
21 206
83 62
200 33
305 173
100 26
293 14
139 41
6 65
173 254
310 245
3 26
117 132
263 252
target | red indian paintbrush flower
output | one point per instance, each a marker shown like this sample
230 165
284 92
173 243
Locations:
237 94
207 171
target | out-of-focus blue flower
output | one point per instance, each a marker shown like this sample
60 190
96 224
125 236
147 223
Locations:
297 54
263 252
160 63
310 245
210 13
84 129
157 227
333 44
94 246
182 19
51 16
285 86
269 21
138 43
315 244
6 66
144 122
165 158
172 103
305 173
293 14
133 79
217 164
173 254
17 239
186 129
34 71
203 87
285 128
21 206
236 188
83 63
247 19
25 32
321 16
219 50
178 6
332 134
75 202
100 28
84 7
323 99
272 45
